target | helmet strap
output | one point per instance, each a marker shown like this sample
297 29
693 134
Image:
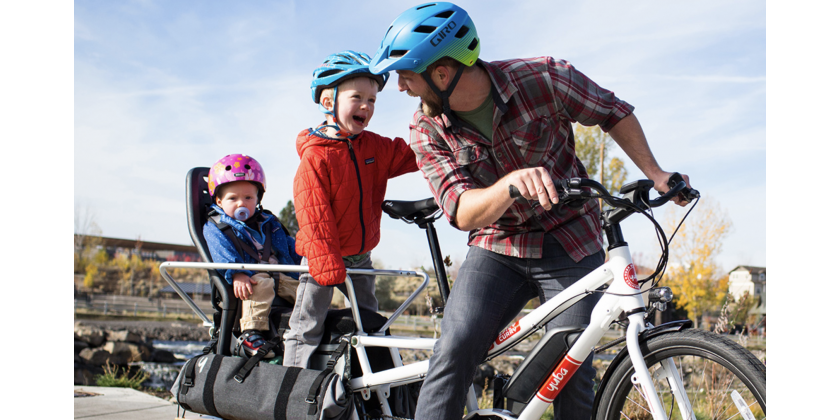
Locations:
444 96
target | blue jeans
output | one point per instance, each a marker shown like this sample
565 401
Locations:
489 292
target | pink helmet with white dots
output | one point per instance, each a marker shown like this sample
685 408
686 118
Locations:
236 167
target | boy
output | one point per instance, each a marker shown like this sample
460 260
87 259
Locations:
338 189
240 231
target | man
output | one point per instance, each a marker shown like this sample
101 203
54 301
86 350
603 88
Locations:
482 128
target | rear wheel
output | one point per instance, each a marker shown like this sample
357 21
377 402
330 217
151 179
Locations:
722 380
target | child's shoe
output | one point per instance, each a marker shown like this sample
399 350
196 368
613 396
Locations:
250 342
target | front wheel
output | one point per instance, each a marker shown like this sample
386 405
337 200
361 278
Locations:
721 379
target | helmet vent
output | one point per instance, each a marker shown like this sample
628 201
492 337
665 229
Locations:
425 29
328 73
473 44
227 168
444 15
247 166
397 53
461 32
425 6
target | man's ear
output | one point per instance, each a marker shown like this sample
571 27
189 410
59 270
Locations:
442 75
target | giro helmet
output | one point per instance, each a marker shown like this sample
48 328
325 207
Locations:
425 33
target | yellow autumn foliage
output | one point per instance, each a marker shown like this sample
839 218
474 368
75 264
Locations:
698 282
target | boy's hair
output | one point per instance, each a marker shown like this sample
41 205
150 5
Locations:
328 93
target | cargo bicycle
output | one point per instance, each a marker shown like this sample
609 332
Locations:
670 371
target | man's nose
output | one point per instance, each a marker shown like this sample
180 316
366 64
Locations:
401 84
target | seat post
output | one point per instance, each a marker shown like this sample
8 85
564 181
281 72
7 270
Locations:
437 259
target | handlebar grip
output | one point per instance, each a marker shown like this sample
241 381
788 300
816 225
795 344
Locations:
686 194
514 192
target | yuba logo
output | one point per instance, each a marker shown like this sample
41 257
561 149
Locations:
630 277
508 332
558 377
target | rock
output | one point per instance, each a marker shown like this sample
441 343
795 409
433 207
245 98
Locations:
124 336
95 357
127 352
82 376
163 356
89 334
79 345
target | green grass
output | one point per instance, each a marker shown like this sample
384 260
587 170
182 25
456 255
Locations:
119 378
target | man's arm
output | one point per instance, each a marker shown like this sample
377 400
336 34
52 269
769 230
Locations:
629 135
481 207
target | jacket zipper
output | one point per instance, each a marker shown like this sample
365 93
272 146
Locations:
361 194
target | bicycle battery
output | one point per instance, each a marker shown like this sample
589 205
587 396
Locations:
536 368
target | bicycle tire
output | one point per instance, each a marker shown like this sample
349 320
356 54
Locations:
711 368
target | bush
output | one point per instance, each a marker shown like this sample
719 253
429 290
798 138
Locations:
119 378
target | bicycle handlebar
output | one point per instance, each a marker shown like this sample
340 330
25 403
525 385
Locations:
572 192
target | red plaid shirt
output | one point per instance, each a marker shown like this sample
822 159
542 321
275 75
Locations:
536 101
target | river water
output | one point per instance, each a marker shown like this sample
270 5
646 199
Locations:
163 375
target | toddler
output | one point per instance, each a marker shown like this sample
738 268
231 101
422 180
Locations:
338 192
238 230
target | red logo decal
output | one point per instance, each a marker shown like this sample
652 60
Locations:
630 277
558 379
508 332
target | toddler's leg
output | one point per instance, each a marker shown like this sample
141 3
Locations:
255 309
306 324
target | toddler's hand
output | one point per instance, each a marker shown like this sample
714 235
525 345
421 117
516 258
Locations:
242 286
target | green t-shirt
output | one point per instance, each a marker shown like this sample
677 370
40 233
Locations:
480 118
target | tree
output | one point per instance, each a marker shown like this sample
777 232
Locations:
288 218
698 283
86 237
592 147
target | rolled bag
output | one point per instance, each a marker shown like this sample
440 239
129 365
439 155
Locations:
267 392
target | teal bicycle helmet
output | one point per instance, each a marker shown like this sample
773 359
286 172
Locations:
339 67
425 33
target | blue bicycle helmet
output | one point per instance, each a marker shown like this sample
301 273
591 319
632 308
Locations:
425 33
339 67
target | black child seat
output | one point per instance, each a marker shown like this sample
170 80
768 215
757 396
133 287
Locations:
228 308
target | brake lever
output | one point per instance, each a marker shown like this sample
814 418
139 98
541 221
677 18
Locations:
686 194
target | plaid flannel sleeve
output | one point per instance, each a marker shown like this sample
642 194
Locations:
584 100
447 179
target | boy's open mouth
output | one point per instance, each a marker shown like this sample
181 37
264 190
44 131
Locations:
358 119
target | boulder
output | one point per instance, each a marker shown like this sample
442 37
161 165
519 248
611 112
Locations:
95 357
129 352
124 336
82 376
163 356
79 345
91 335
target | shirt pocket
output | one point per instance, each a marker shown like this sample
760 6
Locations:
473 158
535 140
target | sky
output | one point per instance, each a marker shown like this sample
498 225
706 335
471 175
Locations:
162 87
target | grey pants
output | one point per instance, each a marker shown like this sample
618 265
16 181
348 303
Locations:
489 292
306 325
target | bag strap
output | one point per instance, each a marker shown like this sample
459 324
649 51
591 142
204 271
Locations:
245 370
314 390
238 243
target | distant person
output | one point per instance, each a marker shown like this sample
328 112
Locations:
338 192
239 230
483 127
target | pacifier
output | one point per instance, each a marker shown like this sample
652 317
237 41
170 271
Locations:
242 214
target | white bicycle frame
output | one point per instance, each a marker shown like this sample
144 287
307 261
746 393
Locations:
622 296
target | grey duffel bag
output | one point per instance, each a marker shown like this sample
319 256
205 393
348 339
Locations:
230 388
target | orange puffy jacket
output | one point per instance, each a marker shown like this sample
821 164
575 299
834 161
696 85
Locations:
339 188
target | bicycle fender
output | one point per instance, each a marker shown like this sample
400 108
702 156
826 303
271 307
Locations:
669 327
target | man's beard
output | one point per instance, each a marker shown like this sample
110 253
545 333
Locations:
431 103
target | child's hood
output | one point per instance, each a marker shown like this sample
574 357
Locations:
306 140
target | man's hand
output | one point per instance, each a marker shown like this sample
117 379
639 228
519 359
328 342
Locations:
661 185
534 184
242 286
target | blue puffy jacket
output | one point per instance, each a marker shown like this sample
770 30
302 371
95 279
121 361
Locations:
223 251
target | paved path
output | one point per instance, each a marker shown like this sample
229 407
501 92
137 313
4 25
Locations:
103 403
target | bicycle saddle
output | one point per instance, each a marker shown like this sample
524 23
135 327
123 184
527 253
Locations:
409 209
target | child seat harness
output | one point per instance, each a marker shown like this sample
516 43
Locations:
242 246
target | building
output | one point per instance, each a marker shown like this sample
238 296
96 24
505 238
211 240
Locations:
753 281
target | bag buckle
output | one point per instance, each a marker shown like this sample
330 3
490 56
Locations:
238 378
310 400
